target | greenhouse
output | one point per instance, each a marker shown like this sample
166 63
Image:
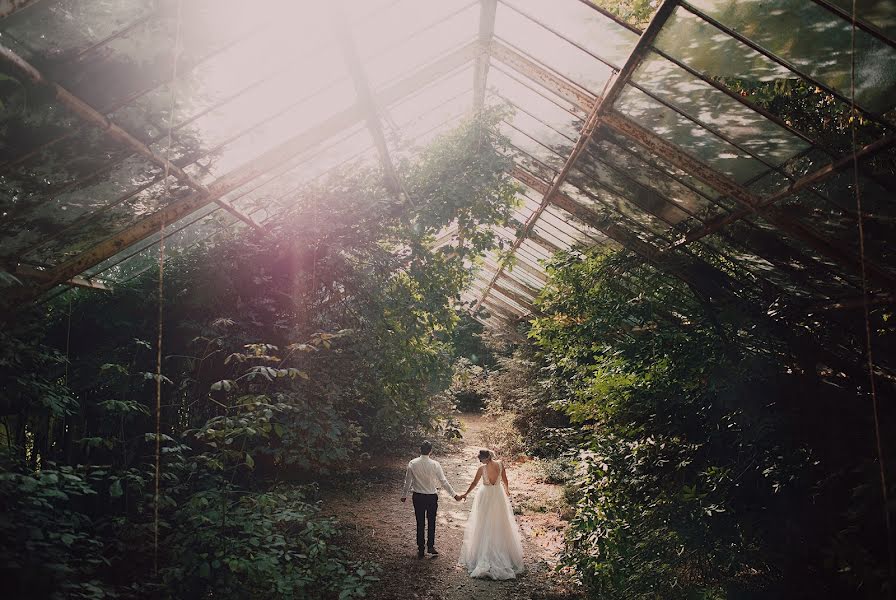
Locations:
256 257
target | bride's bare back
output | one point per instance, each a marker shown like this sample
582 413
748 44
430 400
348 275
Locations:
492 472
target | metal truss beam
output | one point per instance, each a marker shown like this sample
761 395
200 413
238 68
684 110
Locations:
728 187
113 131
797 186
244 174
365 97
39 275
550 80
595 116
487 10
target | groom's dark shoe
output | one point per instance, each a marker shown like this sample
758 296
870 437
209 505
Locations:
432 551
420 553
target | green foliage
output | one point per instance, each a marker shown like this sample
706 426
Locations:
633 12
283 357
259 546
48 543
469 385
699 457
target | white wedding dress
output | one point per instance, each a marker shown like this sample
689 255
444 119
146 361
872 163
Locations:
492 546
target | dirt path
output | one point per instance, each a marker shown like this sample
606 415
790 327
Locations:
381 529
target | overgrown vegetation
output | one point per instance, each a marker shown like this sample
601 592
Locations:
716 453
284 356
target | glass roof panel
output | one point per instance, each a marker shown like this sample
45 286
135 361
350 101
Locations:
803 248
559 143
576 65
880 13
582 232
562 238
585 26
520 275
512 285
179 237
26 188
686 199
664 166
554 229
541 104
429 136
32 122
608 205
423 47
401 19
816 41
686 134
643 200
431 96
281 190
788 262
125 64
107 221
712 107
501 299
274 131
525 144
133 185
47 26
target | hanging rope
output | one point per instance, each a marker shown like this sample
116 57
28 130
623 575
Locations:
173 102
865 305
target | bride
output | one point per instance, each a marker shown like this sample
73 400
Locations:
492 547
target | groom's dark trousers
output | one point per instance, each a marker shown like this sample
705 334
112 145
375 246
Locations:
425 506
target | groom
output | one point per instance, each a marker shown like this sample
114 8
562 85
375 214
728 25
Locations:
422 478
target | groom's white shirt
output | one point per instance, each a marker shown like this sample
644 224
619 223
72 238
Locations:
423 477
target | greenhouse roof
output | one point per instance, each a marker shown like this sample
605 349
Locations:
644 140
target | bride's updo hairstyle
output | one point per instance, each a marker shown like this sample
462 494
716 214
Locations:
485 454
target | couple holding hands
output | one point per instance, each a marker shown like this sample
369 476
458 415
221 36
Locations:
492 547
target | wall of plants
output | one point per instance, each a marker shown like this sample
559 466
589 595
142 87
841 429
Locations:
284 357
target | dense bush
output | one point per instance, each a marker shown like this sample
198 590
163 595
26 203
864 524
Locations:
716 462
284 355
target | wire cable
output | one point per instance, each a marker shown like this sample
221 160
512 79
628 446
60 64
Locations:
875 405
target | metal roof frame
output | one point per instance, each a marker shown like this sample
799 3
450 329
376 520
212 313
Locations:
543 232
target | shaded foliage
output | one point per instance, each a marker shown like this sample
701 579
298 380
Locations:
718 459
284 356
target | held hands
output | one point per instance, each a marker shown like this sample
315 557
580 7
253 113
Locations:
403 499
460 497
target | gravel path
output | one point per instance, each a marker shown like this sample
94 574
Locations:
379 528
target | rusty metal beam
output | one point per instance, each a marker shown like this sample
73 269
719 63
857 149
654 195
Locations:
523 301
601 107
548 79
111 130
245 173
728 187
495 304
487 10
701 276
365 96
602 224
795 187
40 275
